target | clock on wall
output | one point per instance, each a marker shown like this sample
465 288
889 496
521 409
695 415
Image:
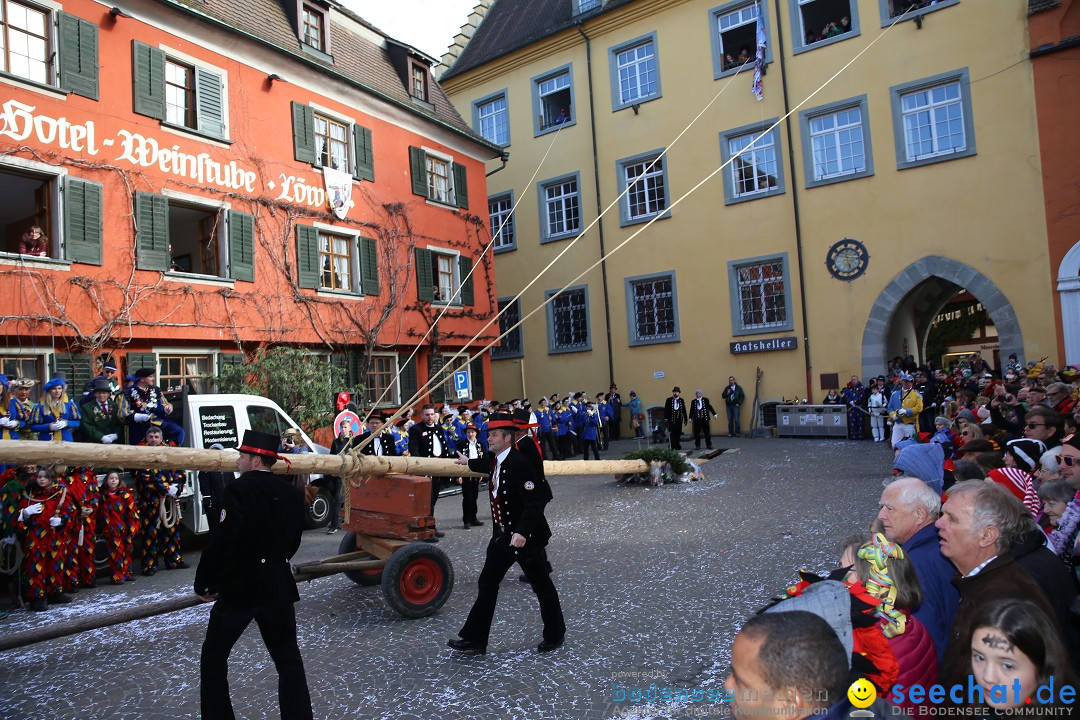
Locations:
847 259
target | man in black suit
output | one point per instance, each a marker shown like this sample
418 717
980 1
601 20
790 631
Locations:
470 486
520 534
382 443
701 410
427 439
675 416
246 564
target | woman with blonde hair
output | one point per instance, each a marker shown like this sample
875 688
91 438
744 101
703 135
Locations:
55 416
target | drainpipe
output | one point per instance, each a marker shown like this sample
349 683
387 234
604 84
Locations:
794 200
505 157
600 221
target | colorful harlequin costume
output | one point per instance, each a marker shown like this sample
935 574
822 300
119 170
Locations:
79 567
153 487
49 412
11 493
43 544
121 525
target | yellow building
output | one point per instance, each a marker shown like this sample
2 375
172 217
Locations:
823 250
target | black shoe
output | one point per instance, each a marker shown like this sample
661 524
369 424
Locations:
149 572
468 526
39 605
90 585
476 523
439 534
523 578
467 646
74 590
59 599
432 540
549 645
180 566
331 531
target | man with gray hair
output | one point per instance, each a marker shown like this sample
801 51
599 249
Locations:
977 526
909 508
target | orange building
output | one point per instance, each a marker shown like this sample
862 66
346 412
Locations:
1054 27
210 176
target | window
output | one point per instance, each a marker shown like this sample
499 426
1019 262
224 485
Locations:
437 178
586 5
734 36
336 260
443 276
29 51
32 193
755 173
267 420
323 141
178 371
179 91
510 345
568 320
894 8
184 235
418 81
823 22
491 118
635 73
311 30
836 142
26 43
646 177
759 297
553 100
25 366
560 208
652 309
932 120
331 143
502 222
382 378
442 367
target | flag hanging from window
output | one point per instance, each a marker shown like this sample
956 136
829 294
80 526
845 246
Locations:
759 61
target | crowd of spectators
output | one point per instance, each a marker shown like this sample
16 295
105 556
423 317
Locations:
831 29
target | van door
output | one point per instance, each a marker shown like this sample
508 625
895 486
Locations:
209 424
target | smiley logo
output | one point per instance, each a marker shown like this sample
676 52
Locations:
862 693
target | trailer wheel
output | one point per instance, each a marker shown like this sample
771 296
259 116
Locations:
367 578
417 580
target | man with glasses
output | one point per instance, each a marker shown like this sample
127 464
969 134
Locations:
1059 397
1069 461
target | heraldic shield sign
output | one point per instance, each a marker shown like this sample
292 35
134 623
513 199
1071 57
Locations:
339 186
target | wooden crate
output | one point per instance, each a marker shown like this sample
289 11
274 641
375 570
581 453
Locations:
390 506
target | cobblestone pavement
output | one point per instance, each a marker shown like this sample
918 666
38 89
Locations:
654 583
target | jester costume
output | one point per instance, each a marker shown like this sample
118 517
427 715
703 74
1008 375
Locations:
79 567
11 493
120 526
153 488
43 544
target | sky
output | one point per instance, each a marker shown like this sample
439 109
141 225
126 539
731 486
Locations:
429 25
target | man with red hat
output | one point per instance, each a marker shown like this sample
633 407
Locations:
246 564
520 534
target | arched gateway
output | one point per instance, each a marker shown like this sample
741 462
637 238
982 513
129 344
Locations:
918 292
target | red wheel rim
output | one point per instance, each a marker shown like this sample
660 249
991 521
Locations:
421 581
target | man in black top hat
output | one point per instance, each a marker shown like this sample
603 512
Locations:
382 443
246 564
675 416
520 534
100 415
428 439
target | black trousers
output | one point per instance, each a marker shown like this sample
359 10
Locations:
566 446
470 490
602 436
277 624
333 487
548 446
534 563
701 428
590 444
676 436
616 429
436 485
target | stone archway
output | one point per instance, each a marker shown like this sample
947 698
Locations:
949 275
1068 286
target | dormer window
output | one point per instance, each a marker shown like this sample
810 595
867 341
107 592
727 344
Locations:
313 28
418 81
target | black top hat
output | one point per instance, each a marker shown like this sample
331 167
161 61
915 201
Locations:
260 443
676 389
377 416
502 421
521 418
145 372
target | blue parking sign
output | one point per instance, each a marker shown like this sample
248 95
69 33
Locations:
461 384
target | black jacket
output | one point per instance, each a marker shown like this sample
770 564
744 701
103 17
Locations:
421 440
385 439
522 496
672 416
1048 571
247 559
706 409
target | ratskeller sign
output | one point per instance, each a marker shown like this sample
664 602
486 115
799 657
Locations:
751 346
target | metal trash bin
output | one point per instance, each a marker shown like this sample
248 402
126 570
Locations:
811 421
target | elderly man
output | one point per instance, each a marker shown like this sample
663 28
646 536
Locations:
1059 397
909 509
977 526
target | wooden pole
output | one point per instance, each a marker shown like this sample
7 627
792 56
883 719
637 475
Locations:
33 452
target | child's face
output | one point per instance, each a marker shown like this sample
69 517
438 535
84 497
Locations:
42 479
112 481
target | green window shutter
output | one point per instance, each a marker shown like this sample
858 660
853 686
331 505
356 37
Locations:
425 287
418 164
341 362
135 361
210 103
149 80
407 377
369 266
241 246
303 133
307 256
461 187
82 220
365 159
152 224
78 371
356 376
464 268
476 376
436 366
78 56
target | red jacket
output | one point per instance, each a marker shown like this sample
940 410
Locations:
917 657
